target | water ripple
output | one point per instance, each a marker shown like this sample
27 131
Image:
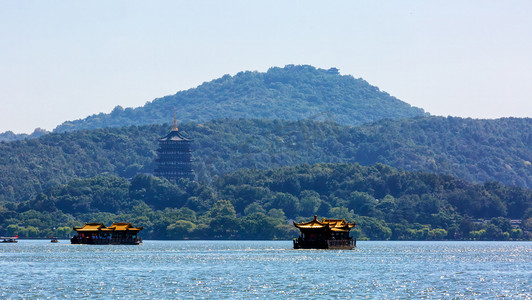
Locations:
256 269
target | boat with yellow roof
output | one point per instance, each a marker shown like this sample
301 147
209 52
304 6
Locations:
325 234
99 234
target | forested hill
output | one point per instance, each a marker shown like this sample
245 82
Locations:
475 150
9 136
289 93
257 204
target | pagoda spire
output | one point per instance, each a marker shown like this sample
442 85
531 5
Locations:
174 127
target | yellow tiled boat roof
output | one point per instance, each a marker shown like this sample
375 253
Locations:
332 224
90 227
114 227
123 227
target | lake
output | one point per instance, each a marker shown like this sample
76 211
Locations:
258 269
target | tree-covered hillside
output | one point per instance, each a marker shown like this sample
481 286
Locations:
289 93
9 136
475 150
258 204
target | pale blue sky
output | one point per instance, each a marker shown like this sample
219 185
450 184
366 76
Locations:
64 60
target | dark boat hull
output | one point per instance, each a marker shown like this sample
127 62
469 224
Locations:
8 240
325 244
88 241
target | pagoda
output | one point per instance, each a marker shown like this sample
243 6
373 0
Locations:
174 156
325 234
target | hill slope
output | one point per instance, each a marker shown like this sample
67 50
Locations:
289 93
475 150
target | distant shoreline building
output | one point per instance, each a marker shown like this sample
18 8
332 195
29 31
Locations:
174 156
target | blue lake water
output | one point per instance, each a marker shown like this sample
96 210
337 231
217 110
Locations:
259 269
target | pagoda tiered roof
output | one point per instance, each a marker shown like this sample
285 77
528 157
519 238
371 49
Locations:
174 135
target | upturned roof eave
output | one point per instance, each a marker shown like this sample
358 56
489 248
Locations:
174 134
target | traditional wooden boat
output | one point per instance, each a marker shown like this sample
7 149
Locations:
325 234
98 234
13 239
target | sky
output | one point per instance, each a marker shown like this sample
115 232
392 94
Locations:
65 60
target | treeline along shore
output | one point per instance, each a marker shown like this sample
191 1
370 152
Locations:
386 203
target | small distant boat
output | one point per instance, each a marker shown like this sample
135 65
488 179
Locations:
9 239
53 240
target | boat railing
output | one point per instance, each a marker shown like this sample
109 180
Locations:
105 240
325 244
342 243
118 241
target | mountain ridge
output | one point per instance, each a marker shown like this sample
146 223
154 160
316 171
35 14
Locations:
9 136
293 92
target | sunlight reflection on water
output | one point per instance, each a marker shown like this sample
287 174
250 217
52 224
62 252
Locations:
244 269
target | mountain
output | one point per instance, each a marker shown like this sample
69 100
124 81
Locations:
9 136
289 93
475 150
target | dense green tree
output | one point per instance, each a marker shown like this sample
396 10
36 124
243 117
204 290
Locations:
243 205
180 229
309 203
374 228
363 203
223 221
285 201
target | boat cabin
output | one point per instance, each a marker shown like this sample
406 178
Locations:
98 234
9 239
324 234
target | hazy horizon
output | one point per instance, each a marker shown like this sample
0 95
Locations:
65 61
